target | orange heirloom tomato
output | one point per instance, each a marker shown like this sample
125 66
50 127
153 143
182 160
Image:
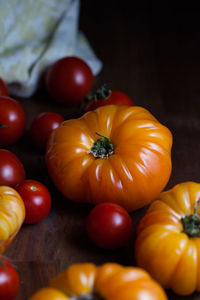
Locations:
118 154
49 294
110 281
12 213
168 241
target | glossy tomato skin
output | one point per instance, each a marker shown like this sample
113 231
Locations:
131 175
109 225
108 281
163 247
9 280
69 80
3 88
42 126
12 121
12 214
48 293
11 169
115 97
37 200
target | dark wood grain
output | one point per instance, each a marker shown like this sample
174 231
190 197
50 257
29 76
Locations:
154 58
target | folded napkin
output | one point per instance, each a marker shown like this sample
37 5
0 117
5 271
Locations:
36 33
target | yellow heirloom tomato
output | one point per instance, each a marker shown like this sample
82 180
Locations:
118 154
108 282
12 213
168 241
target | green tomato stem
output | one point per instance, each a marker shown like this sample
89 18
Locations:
4 126
102 148
191 223
102 93
93 296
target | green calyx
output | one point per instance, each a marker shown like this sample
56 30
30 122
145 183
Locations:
102 93
93 296
3 126
191 223
102 148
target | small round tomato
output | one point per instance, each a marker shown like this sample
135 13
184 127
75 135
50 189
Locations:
11 169
42 126
37 200
106 96
3 88
12 121
109 225
69 80
9 280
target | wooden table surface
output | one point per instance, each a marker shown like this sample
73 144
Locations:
152 57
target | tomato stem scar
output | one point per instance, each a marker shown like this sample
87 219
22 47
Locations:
33 188
102 148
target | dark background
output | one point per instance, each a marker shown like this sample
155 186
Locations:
151 51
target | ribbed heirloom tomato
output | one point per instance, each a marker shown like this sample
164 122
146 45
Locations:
168 241
118 154
12 214
110 281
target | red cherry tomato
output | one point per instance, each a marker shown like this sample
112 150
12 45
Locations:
42 126
37 200
11 169
109 225
12 121
105 96
69 80
9 280
3 88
